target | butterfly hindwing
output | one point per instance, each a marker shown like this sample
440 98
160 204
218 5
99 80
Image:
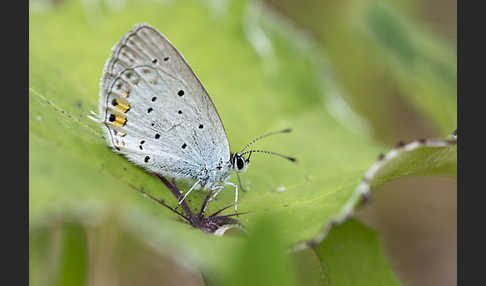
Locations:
155 110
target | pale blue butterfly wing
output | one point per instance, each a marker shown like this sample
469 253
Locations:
156 112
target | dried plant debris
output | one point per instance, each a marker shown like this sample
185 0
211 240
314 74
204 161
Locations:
212 223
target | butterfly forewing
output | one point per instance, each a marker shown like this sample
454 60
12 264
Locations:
155 110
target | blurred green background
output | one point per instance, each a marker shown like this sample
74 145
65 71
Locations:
351 78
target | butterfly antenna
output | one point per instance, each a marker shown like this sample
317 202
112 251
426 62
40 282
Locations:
288 130
292 159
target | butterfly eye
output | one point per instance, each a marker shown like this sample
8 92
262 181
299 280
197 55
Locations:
240 163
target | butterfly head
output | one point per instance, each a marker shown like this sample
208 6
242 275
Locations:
239 163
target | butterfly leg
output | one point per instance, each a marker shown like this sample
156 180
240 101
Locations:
239 182
188 192
236 194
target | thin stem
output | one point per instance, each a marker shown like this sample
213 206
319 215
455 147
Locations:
162 202
218 212
177 194
205 202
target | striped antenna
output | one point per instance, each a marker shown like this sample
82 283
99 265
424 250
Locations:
271 153
288 130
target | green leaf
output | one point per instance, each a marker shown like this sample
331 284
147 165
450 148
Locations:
261 76
263 259
422 157
352 254
66 66
430 157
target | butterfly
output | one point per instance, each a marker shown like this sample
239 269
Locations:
155 112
